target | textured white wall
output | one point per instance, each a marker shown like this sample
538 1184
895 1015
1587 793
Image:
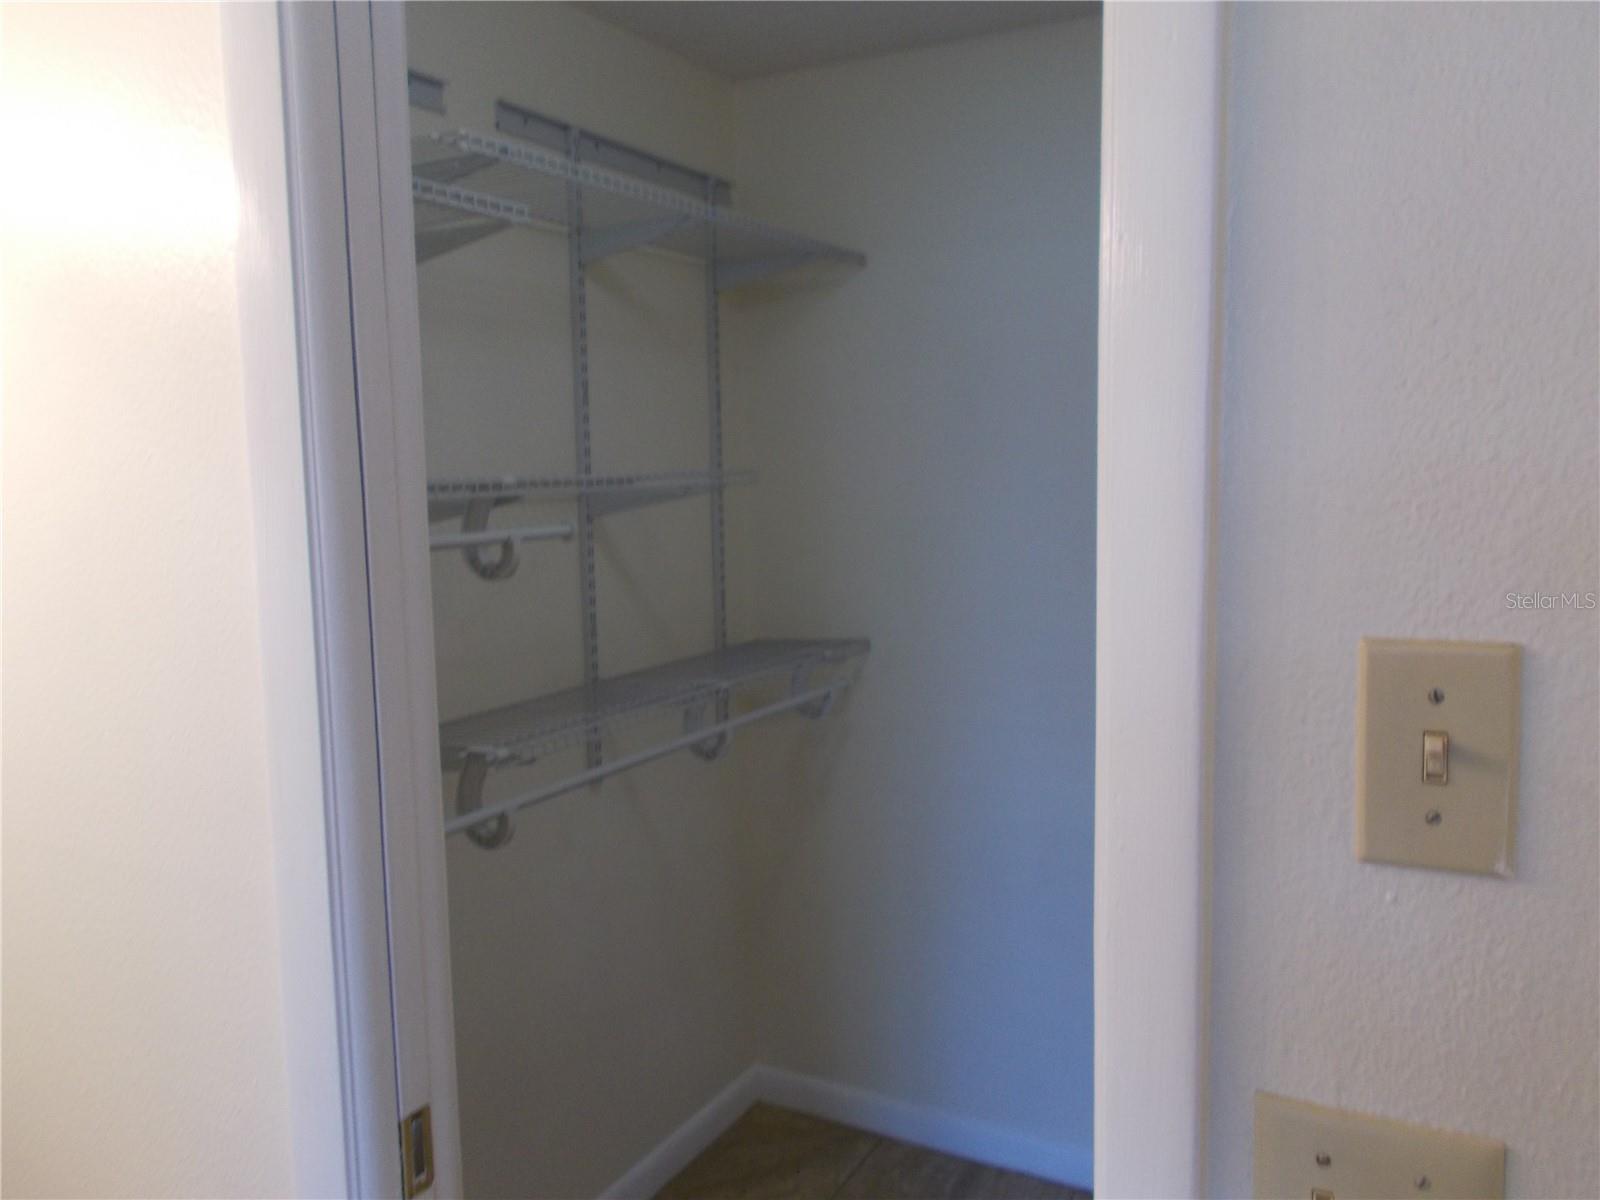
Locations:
601 991
147 563
1409 432
922 867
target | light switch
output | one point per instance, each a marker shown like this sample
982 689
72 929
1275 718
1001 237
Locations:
1437 731
1306 1150
1436 757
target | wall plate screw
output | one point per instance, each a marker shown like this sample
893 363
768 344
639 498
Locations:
1423 1183
1436 696
1434 816
1324 1160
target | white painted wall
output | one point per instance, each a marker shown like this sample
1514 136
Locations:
601 991
168 1025
922 867
1409 432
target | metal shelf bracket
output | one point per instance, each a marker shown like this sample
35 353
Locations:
504 565
694 718
497 830
475 538
800 685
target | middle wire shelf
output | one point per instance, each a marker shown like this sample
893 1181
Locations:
473 500
606 494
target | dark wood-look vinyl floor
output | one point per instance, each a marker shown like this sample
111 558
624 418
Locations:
772 1153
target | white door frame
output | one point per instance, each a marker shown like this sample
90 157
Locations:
1160 256
356 309
348 159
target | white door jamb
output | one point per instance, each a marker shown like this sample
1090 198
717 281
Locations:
1159 335
356 318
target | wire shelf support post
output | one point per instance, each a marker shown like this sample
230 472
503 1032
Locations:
579 303
719 570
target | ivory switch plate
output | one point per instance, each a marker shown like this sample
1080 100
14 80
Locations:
1304 1150
1437 727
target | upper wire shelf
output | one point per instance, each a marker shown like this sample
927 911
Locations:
468 185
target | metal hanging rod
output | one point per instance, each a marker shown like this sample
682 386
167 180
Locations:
820 698
488 537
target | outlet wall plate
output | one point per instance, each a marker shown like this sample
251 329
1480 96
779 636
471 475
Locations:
1409 693
1304 1150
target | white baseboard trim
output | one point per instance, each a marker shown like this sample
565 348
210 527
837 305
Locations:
961 1136
678 1149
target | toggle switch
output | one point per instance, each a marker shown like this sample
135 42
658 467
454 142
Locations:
1435 757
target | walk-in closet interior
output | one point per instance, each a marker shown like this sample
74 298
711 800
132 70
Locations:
758 350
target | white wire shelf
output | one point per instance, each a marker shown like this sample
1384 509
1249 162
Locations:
468 185
699 688
526 731
606 494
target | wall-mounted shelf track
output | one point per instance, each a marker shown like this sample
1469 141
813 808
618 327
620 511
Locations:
525 732
468 185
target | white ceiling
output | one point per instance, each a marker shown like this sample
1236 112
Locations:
742 39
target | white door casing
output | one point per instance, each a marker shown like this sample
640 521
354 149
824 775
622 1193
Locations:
355 286
1160 222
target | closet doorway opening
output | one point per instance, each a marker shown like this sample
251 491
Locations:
744 530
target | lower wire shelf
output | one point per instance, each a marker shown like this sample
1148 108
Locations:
699 687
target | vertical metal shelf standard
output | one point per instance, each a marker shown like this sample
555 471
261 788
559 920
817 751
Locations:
719 571
579 305
583 150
